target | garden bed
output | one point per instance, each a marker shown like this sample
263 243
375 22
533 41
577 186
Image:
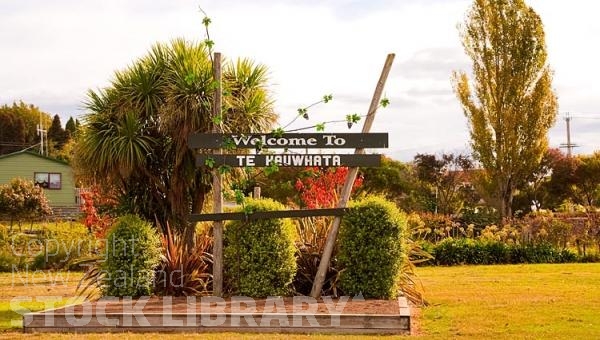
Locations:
208 314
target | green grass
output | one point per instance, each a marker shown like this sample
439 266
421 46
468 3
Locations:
33 286
554 301
547 301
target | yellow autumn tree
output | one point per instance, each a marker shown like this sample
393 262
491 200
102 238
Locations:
508 99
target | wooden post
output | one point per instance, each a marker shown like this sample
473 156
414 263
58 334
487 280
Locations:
256 193
347 189
216 187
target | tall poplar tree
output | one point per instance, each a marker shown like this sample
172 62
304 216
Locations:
508 100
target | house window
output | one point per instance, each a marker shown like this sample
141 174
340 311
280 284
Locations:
48 180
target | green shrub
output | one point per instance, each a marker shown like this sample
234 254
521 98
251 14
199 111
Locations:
62 246
588 258
451 252
10 261
497 252
259 255
52 258
371 248
538 253
132 253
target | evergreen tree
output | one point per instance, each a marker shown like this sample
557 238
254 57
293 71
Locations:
57 134
70 127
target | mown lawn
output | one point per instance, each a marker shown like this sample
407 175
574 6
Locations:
548 301
559 301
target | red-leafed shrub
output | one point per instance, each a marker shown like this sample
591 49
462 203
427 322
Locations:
321 188
95 222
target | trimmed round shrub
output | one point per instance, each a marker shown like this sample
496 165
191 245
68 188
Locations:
372 248
132 252
259 254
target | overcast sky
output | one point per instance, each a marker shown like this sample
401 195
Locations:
53 51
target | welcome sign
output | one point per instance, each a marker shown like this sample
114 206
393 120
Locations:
289 140
260 141
290 160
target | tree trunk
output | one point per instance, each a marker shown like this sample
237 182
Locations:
505 195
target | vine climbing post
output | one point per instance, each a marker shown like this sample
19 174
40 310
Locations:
346 190
217 192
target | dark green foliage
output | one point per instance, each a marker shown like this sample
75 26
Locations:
589 258
71 128
312 235
279 185
51 258
472 251
372 248
259 255
469 251
57 134
390 179
10 261
132 253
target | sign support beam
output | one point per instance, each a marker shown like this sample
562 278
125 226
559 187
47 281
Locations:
216 187
331 237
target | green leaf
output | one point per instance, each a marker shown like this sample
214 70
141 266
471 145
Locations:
384 102
303 112
327 98
258 146
209 43
271 169
209 162
278 132
224 169
217 120
353 118
228 144
320 127
190 78
247 209
213 85
206 21
239 196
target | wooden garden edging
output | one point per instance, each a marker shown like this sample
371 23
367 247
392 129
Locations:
181 315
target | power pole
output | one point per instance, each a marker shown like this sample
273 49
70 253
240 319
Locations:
569 146
42 133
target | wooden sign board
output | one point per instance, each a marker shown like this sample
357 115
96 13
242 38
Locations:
288 140
290 160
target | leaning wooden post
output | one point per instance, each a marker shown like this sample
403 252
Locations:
347 189
217 192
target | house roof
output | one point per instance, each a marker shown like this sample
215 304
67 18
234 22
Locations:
27 152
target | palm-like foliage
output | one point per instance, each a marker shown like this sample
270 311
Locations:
136 130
